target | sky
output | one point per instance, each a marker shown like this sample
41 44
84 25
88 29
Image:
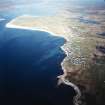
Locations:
43 6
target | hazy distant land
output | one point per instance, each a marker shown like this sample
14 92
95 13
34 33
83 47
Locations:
84 66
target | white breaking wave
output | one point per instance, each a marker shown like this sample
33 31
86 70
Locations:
2 19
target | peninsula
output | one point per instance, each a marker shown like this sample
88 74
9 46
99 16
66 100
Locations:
84 65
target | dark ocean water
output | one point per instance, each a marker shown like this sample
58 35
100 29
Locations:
30 62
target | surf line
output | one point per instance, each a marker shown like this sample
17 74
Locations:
62 79
76 99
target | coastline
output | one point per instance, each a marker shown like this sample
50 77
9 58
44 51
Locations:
76 99
9 25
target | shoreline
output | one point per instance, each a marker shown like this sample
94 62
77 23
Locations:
76 99
9 25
